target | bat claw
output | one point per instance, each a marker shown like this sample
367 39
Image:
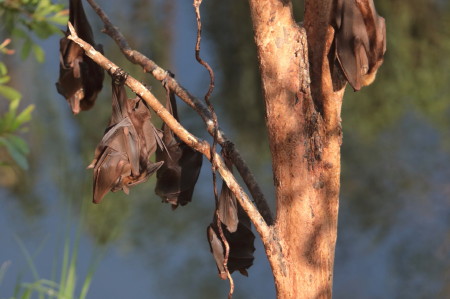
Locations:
166 78
119 76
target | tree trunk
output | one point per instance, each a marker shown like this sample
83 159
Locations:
303 121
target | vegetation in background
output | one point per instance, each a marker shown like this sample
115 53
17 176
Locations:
65 288
22 22
383 174
69 284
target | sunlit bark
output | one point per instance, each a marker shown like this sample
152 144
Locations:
303 120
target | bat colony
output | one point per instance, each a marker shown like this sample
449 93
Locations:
122 158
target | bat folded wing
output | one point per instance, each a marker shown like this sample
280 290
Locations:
109 171
80 78
241 244
236 228
122 156
360 40
178 175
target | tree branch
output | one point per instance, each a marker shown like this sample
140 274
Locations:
201 146
160 74
224 240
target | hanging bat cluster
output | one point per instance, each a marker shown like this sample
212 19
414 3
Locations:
122 156
176 179
359 42
80 78
236 228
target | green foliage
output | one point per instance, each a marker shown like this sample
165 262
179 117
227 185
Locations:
66 287
24 19
12 121
21 20
66 280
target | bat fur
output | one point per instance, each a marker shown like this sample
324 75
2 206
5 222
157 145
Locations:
80 78
360 40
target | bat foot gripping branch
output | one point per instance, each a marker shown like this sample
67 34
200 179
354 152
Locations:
119 76
164 82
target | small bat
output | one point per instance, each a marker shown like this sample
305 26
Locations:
176 179
80 78
122 156
236 227
359 41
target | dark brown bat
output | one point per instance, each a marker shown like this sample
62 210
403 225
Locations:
80 78
176 179
122 156
236 227
360 40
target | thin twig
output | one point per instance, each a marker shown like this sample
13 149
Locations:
160 74
224 240
199 145
197 4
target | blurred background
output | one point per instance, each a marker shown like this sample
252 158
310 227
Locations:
394 222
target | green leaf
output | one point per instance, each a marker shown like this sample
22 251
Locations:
8 119
3 69
19 144
42 29
10 93
26 294
38 53
17 32
52 29
25 115
14 151
59 19
44 8
26 48
13 106
4 79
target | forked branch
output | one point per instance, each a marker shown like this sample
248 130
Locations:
201 146
160 74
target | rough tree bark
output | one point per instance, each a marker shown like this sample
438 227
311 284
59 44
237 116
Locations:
303 121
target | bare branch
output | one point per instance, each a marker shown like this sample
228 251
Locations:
197 4
200 145
160 74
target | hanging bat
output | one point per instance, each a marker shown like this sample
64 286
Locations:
80 78
176 179
122 156
359 41
236 227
